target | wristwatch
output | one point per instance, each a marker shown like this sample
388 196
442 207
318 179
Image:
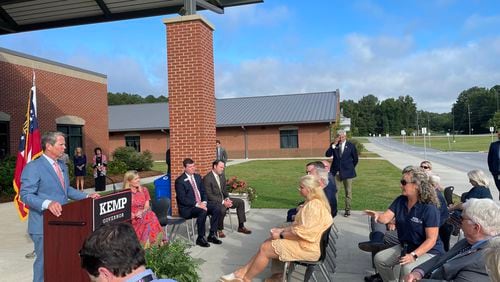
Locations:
281 235
414 255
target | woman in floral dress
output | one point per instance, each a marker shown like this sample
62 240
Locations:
144 220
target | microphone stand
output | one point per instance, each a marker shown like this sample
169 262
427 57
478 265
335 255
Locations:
113 182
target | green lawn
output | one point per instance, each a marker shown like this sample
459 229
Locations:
463 143
276 183
160 166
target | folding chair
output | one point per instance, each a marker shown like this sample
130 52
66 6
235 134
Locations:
310 265
161 207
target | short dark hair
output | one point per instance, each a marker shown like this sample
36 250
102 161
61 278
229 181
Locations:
97 149
114 246
187 161
316 164
217 141
216 163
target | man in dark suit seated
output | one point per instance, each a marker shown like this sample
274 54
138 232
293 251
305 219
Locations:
465 260
192 203
319 170
345 159
215 186
494 160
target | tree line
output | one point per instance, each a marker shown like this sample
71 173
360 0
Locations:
475 110
124 98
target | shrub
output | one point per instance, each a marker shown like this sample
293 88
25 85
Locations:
172 261
133 159
7 168
116 167
359 146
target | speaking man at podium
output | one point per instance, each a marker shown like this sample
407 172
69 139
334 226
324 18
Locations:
45 185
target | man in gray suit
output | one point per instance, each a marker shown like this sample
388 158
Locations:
465 261
215 186
220 152
45 186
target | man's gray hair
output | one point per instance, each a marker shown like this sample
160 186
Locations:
51 138
323 175
341 132
484 212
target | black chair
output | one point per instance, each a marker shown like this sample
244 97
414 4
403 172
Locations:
161 207
310 265
448 195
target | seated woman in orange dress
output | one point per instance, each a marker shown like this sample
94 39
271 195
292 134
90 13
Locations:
144 220
299 241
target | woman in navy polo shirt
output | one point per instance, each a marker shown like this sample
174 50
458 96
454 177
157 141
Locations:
417 223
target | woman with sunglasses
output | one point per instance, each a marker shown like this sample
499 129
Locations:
426 166
417 223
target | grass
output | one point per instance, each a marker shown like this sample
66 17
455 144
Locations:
276 183
463 143
366 154
159 166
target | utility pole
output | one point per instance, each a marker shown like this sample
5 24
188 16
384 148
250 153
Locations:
468 111
417 123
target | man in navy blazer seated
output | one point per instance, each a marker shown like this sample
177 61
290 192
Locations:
345 159
465 260
192 202
45 186
494 160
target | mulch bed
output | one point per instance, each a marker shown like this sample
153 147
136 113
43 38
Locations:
89 182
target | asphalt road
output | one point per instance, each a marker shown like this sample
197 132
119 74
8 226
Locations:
464 161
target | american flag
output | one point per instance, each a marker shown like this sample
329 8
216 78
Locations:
30 148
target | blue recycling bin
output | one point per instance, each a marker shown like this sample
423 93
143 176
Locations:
163 187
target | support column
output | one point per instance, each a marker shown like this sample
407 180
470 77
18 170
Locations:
191 94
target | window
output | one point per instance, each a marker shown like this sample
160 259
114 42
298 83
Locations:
133 141
74 137
4 139
289 139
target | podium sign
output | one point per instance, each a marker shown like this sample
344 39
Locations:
113 208
64 236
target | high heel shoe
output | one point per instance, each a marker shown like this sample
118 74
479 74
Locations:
230 278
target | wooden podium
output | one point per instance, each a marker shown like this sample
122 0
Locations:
64 236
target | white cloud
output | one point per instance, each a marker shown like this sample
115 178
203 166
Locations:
475 22
433 77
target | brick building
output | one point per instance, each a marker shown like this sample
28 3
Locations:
296 125
69 99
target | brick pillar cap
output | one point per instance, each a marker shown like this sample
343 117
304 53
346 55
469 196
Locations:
187 19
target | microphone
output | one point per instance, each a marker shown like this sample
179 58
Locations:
112 181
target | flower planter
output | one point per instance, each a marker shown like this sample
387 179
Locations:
244 197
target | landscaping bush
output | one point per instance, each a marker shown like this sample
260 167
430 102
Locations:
116 167
359 146
7 168
172 261
133 159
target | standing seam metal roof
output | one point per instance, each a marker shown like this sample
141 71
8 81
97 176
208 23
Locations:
246 111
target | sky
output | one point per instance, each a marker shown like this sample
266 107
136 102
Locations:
429 49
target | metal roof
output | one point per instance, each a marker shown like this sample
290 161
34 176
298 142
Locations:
27 15
248 111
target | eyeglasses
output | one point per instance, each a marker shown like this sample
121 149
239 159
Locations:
404 182
424 167
300 188
462 218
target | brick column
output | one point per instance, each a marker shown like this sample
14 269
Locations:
191 94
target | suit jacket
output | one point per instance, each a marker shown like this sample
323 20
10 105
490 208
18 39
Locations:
223 154
186 199
39 182
493 158
344 164
469 266
214 193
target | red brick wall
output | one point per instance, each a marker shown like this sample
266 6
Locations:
57 95
154 141
191 94
264 141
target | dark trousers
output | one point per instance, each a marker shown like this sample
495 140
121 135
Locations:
239 205
497 182
201 217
